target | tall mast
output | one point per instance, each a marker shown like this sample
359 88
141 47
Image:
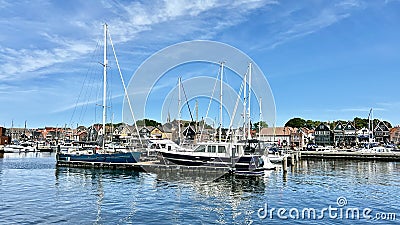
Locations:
179 109
25 130
259 123
244 105
220 103
104 84
197 119
372 124
249 98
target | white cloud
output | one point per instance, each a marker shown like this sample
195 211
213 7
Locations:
292 27
128 21
19 63
192 16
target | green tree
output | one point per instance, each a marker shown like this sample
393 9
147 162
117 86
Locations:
257 125
148 122
360 123
296 122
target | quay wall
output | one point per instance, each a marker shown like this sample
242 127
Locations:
382 156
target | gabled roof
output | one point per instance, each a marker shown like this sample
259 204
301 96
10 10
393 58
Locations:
349 126
338 127
127 127
188 129
322 127
381 126
145 128
160 128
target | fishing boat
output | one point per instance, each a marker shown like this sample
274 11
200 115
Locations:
102 153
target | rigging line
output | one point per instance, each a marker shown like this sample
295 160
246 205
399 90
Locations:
187 102
234 110
80 92
209 104
125 90
87 95
89 91
169 105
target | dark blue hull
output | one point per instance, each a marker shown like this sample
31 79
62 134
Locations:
128 157
243 163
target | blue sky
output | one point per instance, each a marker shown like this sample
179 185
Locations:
324 60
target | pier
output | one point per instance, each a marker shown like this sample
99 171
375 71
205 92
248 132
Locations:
382 156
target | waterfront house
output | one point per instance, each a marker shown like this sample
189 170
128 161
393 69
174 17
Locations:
170 130
395 135
338 135
382 133
144 131
125 131
157 132
4 139
80 135
350 134
150 132
299 138
277 135
323 135
19 133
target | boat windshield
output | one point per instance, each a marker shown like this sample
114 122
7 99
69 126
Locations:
200 148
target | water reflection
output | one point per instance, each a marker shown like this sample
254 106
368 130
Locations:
178 196
363 172
226 197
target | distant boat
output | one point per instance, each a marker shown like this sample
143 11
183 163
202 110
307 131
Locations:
378 149
103 153
42 146
17 147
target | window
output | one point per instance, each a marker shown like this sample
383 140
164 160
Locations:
201 148
212 149
221 149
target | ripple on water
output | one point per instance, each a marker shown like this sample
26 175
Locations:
34 191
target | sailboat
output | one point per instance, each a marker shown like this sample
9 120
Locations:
240 157
101 154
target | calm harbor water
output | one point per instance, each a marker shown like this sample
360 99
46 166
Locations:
34 191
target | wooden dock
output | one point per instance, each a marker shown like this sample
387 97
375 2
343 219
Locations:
381 156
